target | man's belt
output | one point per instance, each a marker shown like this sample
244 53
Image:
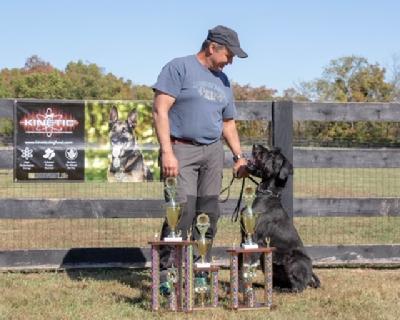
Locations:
175 140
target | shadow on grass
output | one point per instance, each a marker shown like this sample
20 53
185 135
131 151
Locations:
138 279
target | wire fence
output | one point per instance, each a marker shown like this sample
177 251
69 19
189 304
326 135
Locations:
309 183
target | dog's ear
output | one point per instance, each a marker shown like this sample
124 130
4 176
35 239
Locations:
132 119
286 169
113 115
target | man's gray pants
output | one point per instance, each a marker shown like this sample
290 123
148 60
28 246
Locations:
199 185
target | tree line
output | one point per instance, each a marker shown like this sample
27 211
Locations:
346 79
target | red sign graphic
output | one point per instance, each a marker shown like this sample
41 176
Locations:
50 122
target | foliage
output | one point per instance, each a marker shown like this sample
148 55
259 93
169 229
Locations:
293 95
143 92
88 81
256 129
347 79
6 131
395 77
350 79
248 93
39 79
342 134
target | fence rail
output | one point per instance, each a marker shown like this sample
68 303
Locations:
281 115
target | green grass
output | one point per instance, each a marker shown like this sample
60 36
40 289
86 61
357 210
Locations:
316 182
347 182
125 294
67 233
74 233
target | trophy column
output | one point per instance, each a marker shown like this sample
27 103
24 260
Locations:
206 274
249 300
180 276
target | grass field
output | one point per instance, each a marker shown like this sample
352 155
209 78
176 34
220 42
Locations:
74 233
125 294
67 233
316 182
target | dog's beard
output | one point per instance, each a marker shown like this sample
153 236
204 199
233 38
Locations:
252 168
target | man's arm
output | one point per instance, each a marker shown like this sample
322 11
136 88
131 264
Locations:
232 139
162 103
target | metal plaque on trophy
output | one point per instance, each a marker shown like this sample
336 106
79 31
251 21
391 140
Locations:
173 210
249 218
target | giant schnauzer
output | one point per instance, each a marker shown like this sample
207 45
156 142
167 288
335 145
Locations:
292 267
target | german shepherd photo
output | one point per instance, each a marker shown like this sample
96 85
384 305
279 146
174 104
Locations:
127 163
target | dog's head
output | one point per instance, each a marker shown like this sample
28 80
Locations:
122 135
269 164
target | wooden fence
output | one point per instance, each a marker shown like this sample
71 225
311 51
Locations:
281 114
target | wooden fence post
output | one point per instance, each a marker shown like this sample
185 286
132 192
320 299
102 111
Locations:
282 137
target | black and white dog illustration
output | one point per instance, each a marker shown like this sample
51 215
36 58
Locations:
127 163
292 267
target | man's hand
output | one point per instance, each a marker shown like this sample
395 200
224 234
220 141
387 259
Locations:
170 166
239 168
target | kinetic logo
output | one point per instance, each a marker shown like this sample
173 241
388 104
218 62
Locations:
51 122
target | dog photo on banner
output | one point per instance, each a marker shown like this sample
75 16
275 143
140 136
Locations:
120 142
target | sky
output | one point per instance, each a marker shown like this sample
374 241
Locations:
287 41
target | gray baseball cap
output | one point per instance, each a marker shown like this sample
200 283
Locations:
228 37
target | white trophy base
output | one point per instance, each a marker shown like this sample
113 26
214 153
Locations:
249 246
203 264
175 239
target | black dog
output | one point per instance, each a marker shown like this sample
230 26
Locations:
127 163
292 267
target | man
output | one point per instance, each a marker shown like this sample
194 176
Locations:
193 108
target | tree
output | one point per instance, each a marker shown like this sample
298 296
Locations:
246 92
294 95
143 92
350 79
88 81
36 64
39 79
52 85
395 79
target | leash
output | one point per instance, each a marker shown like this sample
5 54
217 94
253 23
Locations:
235 214
229 190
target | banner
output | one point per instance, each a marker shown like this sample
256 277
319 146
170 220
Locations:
49 141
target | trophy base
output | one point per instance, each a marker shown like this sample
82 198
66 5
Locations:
172 239
249 246
203 264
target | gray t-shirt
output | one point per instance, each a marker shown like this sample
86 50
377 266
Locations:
204 99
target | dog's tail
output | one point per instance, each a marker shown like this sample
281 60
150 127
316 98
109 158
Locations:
314 282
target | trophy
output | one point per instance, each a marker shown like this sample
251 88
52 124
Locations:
203 244
249 218
201 287
249 273
173 210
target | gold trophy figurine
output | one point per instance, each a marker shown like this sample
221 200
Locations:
249 218
203 244
173 210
